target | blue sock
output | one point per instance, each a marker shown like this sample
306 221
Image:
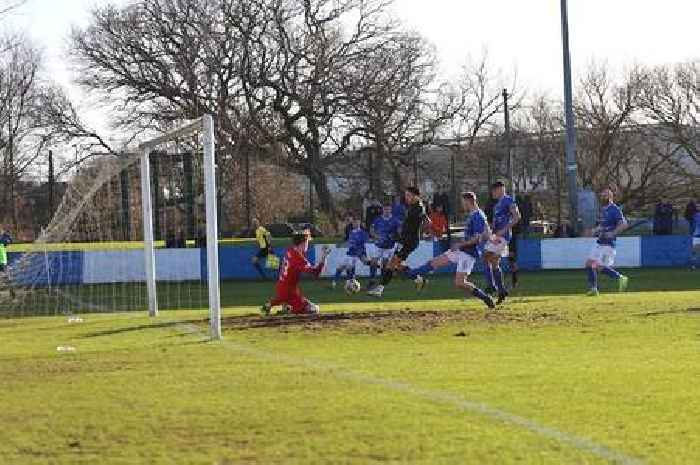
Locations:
372 271
421 270
592 278
498 277
611 272
351 273
481 295
488 274
260 270
338 273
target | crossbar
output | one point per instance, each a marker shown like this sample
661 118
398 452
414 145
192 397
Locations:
186 130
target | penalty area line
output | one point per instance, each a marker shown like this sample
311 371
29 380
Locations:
436 396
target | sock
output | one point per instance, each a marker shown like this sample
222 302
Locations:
338 273
351 273
421 270
488 274
498 277
481 295
386 276
260 270
592 278
372 271
611 272
514 277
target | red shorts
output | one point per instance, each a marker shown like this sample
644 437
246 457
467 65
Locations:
291 297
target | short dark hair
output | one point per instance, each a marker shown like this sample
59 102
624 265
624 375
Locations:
498 184
413 190
469 195
300 236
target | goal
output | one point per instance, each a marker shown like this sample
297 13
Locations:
135 231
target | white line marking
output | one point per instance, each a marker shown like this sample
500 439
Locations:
436 396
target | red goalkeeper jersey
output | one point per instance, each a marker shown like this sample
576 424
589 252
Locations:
295 263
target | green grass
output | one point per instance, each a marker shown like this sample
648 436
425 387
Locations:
429 379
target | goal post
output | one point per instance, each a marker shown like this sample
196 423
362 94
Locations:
205 127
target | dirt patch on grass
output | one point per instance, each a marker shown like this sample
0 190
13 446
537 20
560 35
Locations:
382 321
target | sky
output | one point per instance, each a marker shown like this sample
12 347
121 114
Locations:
520 35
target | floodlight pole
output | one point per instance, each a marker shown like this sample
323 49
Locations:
212 228
571 166
148 245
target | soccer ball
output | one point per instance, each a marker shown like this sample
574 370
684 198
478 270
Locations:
352 286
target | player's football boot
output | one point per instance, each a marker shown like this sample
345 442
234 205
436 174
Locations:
420 282
622 283
593 292
285 310
265 309
490 303
376 291
501 297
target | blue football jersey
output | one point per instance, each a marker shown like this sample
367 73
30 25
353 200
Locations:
610 218
502 215
387 230
475 224
398 211
356 242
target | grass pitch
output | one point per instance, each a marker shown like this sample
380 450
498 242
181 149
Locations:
551 378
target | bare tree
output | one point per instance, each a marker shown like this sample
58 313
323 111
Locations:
299 57
22 137
670 99
478 91
398 104
614 148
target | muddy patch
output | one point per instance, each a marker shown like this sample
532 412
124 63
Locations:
380 322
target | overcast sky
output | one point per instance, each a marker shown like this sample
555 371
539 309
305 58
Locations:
519 34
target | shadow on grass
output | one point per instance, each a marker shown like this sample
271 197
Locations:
690 310
129 329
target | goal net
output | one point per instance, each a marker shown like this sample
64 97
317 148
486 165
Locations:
134 232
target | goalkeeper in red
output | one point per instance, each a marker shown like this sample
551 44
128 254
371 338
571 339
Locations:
287 291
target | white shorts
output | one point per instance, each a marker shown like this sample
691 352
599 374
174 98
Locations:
465 262
351 262
383 254
498 247
603 254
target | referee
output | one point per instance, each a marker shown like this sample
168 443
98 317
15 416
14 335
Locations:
264 241
416 216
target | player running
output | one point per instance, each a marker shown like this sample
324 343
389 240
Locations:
612 222
287 288
464 253
385 231
357 252
505 216
409 239
263 238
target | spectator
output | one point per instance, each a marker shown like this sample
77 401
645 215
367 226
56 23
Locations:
5 241
180 241
170 240
439 227
563 230
663 218
442 199
526 210
373 210
348 228
398 210
690 211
